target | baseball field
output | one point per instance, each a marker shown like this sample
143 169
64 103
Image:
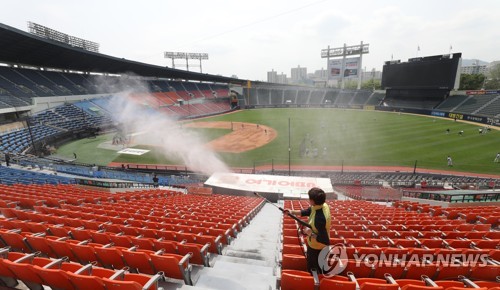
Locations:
318 137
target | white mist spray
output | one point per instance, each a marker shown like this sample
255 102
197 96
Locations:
155 128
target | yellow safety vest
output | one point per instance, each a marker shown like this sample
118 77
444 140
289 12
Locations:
311 241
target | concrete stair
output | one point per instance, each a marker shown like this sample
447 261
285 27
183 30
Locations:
249 262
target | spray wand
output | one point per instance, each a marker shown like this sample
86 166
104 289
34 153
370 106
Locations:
301 222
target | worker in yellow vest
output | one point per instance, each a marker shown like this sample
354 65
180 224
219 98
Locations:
318 236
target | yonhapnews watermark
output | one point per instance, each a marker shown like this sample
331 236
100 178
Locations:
333 260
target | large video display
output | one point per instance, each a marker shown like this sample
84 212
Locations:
432 72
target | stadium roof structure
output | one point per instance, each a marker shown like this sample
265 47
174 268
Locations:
22 48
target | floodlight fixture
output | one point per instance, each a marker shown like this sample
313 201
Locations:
187 56
340 70
49 33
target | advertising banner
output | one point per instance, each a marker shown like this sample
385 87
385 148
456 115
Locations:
349 70
290 186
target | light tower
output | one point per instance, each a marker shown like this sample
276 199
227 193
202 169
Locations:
187 56
347 67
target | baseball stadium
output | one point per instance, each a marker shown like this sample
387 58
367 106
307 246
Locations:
118 174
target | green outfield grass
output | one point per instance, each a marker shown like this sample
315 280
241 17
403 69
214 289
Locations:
350 137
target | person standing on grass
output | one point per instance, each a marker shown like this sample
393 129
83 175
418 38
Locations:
497 158
450 161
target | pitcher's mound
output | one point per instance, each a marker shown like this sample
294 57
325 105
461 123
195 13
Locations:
244 136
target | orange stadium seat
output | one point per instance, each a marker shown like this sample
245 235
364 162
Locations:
452 271
139 260
418 287
199 252
61 248
293 249
100 237
403 282
40 244
121 241
416 270
129 281
329 284
56 277
174 266
84 252
394 269
296 280
167 246
294 262
110 257
359 268
485 272
15 240
376 286
90 277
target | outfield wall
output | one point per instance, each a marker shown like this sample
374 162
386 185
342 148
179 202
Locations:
437 113
449 115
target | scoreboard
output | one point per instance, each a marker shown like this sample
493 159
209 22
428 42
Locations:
432 72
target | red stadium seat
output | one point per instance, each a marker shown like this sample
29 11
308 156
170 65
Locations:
485 272
417 287
394 269
296 280
452 271
61 248
127 281
487 284
15 240
81 234
416 270
358 268
199 253
39 244
139 261
449 284
174 266
328 284
371 281
59 231
121 241
110 257
90 278
8 256
403 282
100 237
57 278
84 252
144 243
294 262
167 246
375 286
293 249
24 272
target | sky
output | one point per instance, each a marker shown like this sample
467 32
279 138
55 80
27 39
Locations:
249 38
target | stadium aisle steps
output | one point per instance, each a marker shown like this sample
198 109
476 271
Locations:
249 262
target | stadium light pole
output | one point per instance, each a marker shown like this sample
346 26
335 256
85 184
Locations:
289 148
340 69
186 56
28 122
